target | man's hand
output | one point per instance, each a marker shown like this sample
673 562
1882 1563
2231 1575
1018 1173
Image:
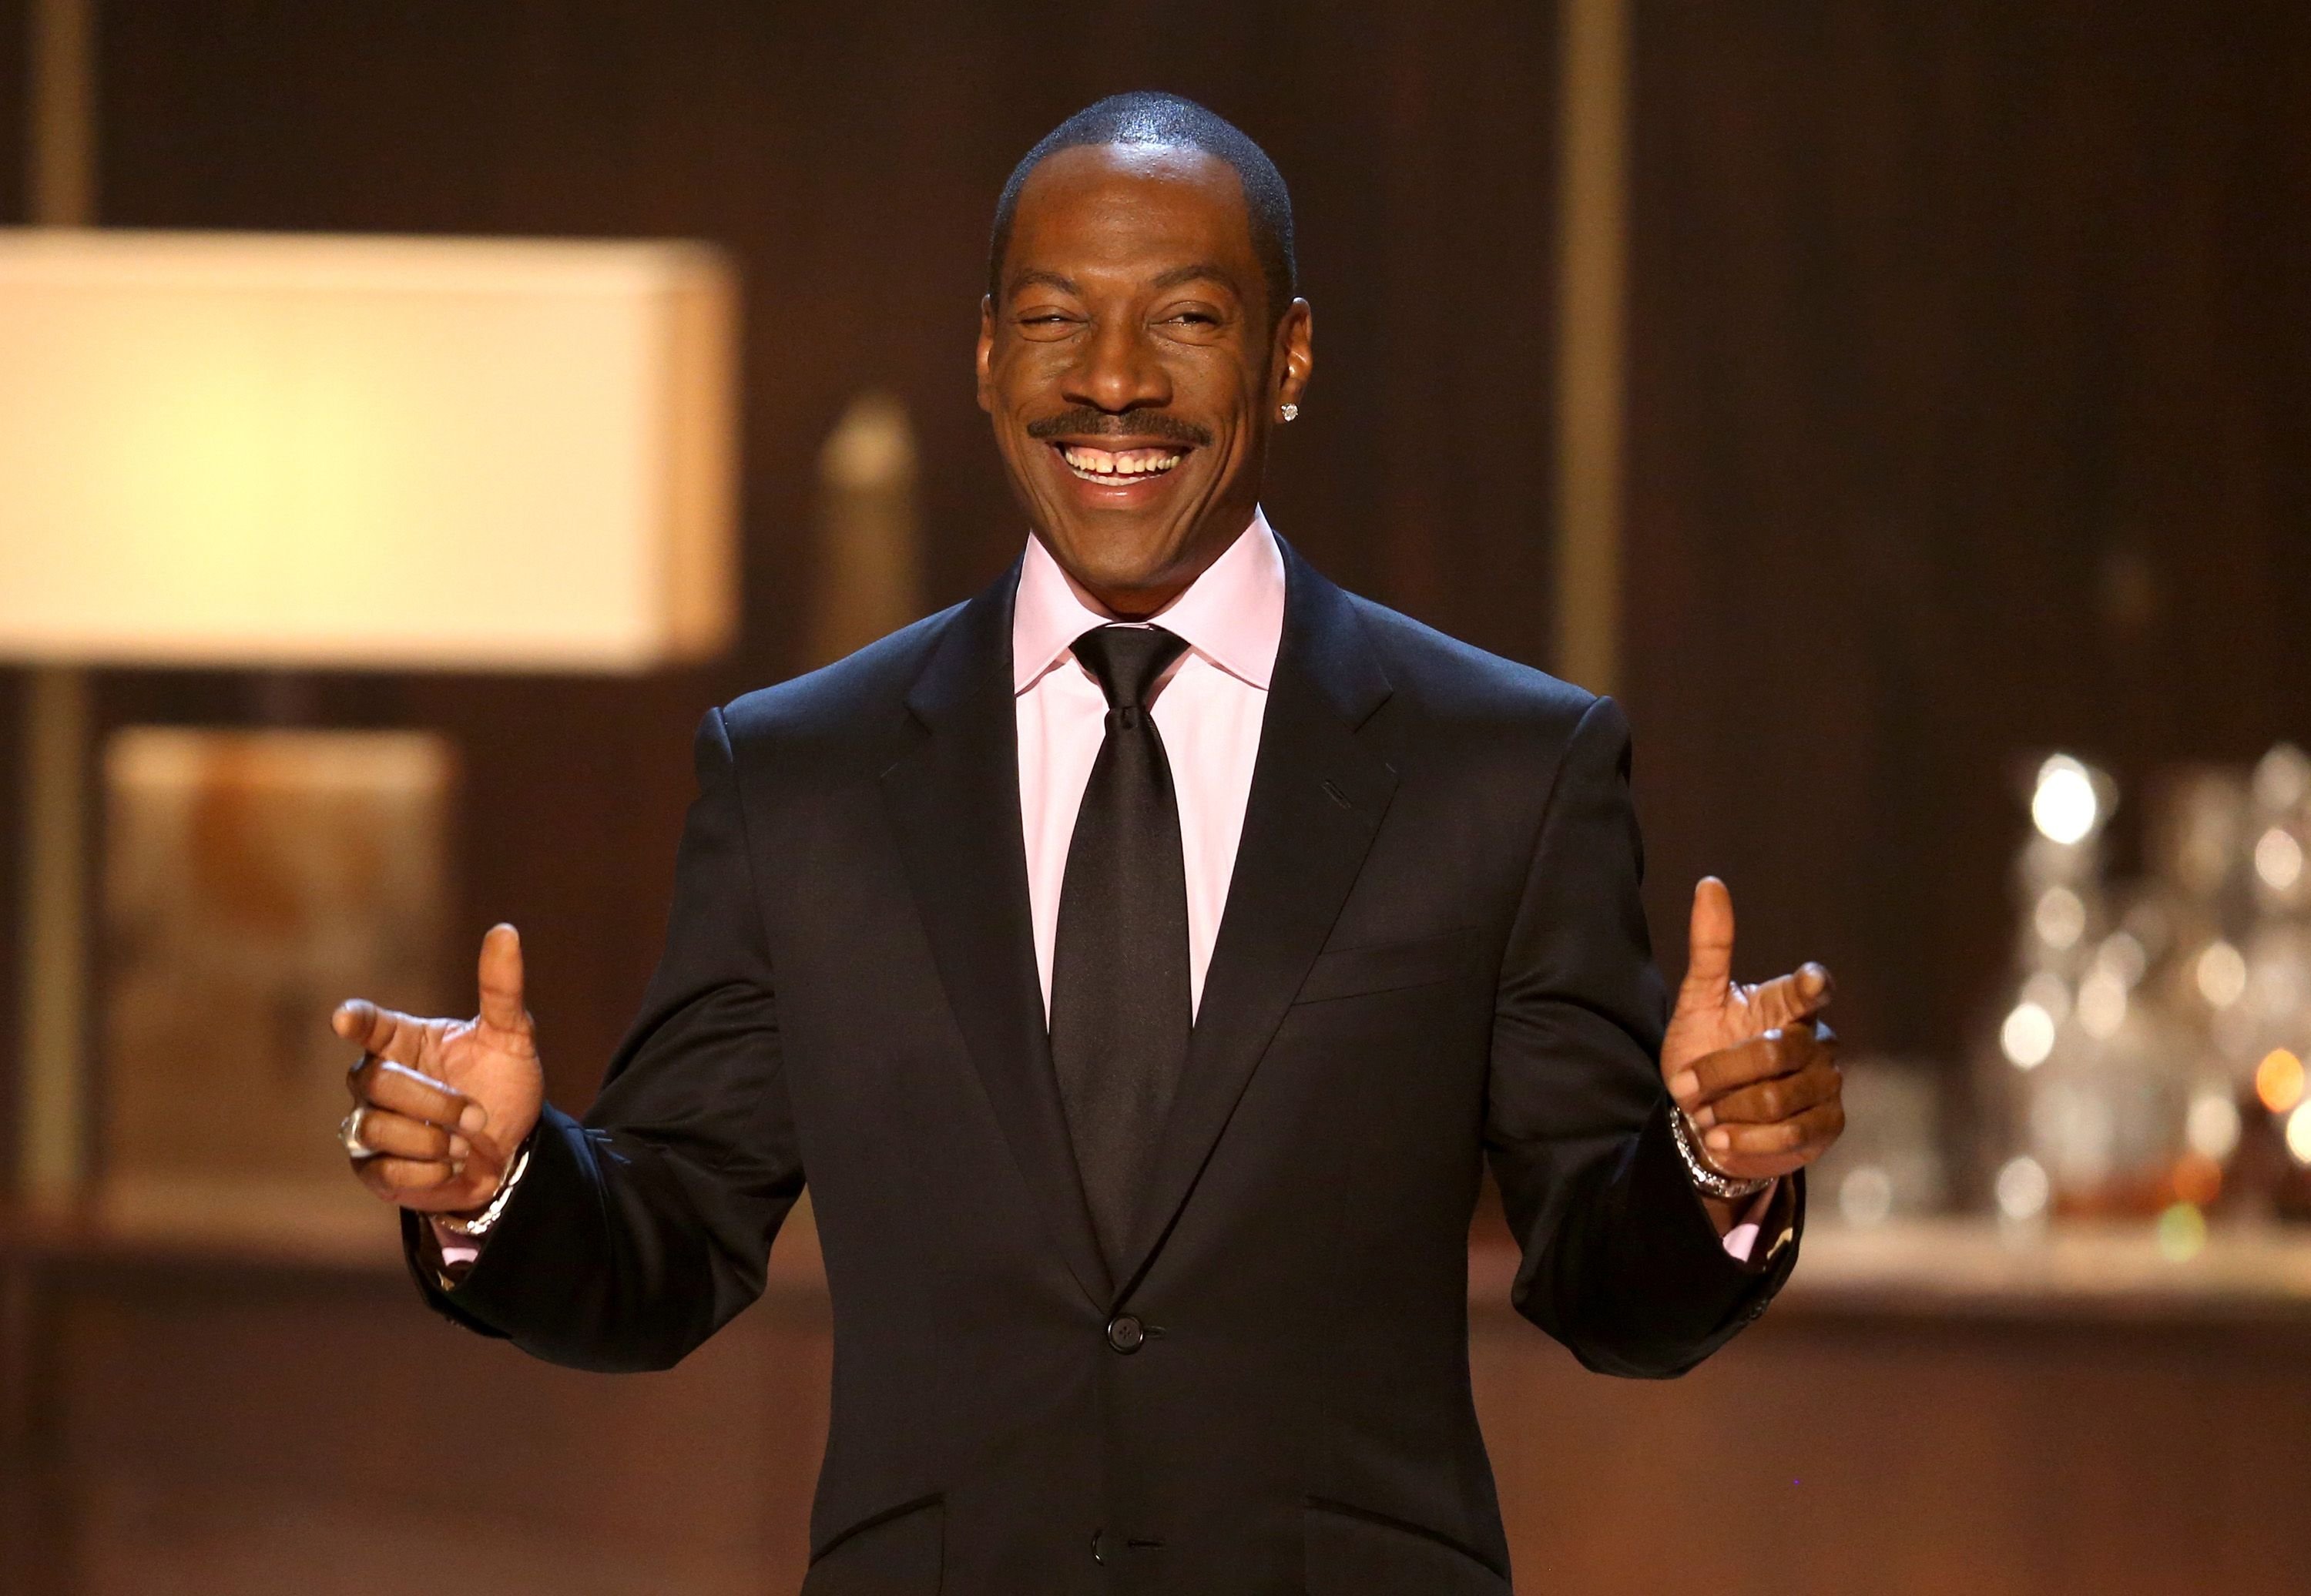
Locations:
448 1100
1750 1063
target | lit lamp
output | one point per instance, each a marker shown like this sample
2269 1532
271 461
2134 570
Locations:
355 453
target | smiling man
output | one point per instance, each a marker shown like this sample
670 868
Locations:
1139 962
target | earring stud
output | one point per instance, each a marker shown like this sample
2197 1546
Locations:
1291 413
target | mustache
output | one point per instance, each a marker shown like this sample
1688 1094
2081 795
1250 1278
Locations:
1128 423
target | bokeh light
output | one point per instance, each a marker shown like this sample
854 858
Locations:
2102 1003
2298 1133
2028 1036
2278 859
2064 806
2198 1179
1865 1196
2022 1187
2181 1231
2060 918
2212 1126
2220 973
2279 1081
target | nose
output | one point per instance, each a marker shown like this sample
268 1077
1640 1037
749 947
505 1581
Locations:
1118 370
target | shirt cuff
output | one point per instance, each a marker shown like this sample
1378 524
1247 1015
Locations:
1742 1241
458 1249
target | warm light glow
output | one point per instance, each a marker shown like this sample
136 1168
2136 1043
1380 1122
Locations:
2212 1126
2121 954
2050 992
2181 1233
2298 1133
2102 1003
2279 1081
2022 1189
367 453
2198 1179
2064 806
2282 778
2220 973
2060 918
2278 859
2028 1036
1865 1196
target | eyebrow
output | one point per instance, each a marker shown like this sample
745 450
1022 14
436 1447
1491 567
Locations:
1210 269
1033 275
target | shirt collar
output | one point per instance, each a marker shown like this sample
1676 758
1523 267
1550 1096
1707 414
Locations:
1232 615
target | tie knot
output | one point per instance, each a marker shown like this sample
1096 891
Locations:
1128 660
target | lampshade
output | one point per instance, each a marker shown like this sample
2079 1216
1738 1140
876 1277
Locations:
364 452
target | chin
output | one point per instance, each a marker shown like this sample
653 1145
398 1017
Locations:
1117 564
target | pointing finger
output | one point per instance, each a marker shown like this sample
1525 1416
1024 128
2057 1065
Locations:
1786 999
1709 954
378 1031
500 977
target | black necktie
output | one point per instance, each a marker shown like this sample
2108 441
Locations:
1119 998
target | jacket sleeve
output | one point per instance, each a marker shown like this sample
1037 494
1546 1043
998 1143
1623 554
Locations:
637 1234
1620 1261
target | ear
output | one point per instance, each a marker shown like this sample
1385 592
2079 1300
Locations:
1294 356
986 353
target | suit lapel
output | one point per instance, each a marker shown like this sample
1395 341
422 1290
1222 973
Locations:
1317 797
953 803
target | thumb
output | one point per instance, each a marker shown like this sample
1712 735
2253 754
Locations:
1709 951
501 982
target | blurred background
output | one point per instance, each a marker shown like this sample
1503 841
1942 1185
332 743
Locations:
1905 410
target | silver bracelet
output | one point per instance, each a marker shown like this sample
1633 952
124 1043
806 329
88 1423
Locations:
1707 1179
479 1224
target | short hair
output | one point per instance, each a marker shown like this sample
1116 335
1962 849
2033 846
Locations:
1170 121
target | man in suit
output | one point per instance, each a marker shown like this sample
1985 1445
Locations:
1139 962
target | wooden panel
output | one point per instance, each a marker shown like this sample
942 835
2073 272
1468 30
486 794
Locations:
1971 417
1827 1450
365 1434
850 156
1907 1459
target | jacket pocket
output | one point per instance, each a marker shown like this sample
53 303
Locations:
1350 1552
1388 966
895 1553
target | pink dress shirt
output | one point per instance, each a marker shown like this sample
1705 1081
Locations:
1207 709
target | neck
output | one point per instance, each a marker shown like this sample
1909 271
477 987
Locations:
1131 604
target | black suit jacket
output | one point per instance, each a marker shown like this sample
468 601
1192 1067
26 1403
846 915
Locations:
1433 954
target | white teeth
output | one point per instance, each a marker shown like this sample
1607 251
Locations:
1096 464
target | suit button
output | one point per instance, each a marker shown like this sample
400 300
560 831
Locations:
1126 1334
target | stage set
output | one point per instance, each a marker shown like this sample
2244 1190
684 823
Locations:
1890 421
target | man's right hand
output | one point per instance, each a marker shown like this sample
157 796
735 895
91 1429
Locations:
448 1102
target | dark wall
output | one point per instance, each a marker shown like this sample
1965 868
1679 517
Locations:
849 157
13 156
15 68
1967 392
1971 414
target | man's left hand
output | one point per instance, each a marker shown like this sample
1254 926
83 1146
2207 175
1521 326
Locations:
1752 1065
